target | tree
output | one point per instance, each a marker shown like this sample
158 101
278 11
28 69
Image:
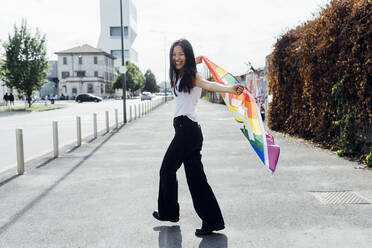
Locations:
150 82
25 65
134 78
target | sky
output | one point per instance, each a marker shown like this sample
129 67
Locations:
230 33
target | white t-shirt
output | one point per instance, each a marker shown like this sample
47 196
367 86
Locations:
186 102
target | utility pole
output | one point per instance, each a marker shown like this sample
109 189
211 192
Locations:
123 82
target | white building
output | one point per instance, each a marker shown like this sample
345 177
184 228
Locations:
85 69
110 37
3 90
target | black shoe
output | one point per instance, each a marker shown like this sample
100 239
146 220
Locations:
209 230
158 217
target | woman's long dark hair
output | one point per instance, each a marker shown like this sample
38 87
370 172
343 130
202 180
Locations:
189 70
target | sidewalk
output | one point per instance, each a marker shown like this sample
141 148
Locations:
103 193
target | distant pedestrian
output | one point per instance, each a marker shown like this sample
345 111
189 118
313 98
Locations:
6 99
262 113
11 99
187 143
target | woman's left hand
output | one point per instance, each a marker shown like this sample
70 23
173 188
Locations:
237 89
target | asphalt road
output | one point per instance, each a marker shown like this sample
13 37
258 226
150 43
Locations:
37 127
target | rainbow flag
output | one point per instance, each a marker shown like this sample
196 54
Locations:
247 114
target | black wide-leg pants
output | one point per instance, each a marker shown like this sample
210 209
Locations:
185 148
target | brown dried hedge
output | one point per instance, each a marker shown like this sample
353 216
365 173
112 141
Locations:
332 51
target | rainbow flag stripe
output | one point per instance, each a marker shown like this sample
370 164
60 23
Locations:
246 113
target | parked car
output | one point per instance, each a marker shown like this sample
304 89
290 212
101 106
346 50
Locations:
87 98
145 96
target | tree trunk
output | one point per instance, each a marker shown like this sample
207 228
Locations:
29 100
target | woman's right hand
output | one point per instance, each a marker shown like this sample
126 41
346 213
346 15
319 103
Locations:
198 60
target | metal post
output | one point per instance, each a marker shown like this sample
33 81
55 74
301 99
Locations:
78 130
55 139
95 125
20 152
107 122
123 83
130 113
116 119
139 110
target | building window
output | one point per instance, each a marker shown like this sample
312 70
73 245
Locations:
64 60
115 32
65 74
117 53
80 60
101 88
90 88
80 73
96 73
74 91
95 60
107 88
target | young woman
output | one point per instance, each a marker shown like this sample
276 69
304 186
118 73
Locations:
187 143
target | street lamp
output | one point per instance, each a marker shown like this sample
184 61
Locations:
123 83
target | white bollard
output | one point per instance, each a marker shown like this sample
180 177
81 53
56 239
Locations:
78 131
135 112
130 113
55 139
20 152
139 110
107 122
95 125
116 119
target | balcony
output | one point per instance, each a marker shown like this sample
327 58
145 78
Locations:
83 79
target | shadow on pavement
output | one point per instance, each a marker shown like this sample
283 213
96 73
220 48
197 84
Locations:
19 214
169 236
8 180
216 240
45 163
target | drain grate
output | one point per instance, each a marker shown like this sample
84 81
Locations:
339 197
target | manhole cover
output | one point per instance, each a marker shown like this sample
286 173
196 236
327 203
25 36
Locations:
339 197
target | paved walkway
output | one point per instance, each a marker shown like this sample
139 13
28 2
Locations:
103 193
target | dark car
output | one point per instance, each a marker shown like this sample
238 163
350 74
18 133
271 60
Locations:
146 96
87 98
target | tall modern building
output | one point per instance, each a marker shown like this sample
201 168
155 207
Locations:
110 37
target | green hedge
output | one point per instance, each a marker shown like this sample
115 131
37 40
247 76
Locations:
320 75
